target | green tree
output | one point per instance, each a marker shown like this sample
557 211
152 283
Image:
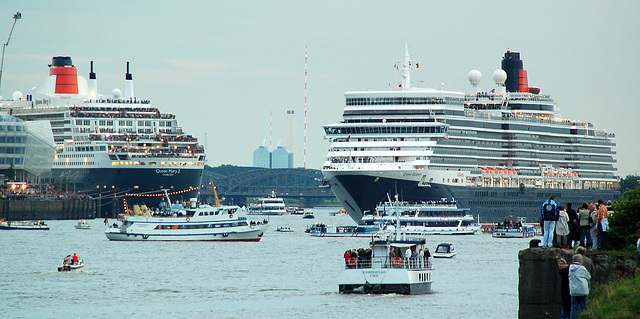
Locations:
10 173
629 182
624 221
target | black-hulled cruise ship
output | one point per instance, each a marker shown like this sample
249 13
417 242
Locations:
501 152
110 146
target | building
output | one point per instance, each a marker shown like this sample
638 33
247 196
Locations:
262 157
281 158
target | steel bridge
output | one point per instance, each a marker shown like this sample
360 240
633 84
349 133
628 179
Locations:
239 185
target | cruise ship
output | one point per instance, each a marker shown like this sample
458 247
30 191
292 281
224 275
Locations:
111 147
500 152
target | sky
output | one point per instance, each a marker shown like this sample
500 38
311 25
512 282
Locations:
222 67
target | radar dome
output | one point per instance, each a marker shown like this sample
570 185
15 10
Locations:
475 77
116 93
499 76
17 96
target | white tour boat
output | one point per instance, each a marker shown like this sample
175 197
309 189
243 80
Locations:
270 205
385 269
198 221
322 230
424 218
24 225
518 229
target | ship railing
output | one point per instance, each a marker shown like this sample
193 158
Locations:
411 263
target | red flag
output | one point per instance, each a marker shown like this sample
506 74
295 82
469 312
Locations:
417 65
348 137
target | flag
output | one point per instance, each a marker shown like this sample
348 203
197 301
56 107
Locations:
348 137
417 65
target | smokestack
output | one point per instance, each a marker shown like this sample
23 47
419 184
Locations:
93 84
128 92
66 75
291 130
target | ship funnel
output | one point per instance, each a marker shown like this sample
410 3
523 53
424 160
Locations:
128 92
517 80
93 84
66 75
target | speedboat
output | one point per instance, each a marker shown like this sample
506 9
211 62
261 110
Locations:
308 215
444 250
285 229
83 225
72 266
24 225
196 221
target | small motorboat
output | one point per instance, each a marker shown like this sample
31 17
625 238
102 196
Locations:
24 225
444 250
285 229
83 225
70 267
308 215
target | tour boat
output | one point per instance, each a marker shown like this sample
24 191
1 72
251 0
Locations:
322 230
24 225
197 221
517 229
269 205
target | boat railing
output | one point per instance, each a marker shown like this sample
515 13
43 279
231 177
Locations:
411 263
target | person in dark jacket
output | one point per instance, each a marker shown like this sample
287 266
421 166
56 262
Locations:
574 227
564 288
549 216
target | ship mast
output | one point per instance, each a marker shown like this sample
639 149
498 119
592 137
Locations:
16 16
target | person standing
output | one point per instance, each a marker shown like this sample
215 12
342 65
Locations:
579 279
564 288
586 261
562 228
603 213
593 222
583 218
549 216
574 226
638 245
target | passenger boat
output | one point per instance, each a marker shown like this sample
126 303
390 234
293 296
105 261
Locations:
386 270
495 151
197 221
69 267
444 250
441 217
517 229
322 230
269 205
83 225
24 225
115 142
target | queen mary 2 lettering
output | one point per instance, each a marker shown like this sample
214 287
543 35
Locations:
110 144
500 152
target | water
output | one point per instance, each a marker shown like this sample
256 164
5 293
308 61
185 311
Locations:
285 275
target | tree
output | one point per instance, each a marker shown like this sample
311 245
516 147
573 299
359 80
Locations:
11 172
624 221
629 182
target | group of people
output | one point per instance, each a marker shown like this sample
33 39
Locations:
575 283
360 258
566 228
71 260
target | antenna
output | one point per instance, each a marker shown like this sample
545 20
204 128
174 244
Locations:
270 128
16 17
304 164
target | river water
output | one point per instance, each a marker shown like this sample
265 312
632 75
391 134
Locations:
285 275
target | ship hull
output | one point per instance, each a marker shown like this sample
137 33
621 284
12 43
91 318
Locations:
361 191
130 183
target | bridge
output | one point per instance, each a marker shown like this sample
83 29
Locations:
239 185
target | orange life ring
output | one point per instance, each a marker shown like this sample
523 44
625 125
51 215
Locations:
397 260
230 215
188 219
351 261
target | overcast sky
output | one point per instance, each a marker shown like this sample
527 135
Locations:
223 66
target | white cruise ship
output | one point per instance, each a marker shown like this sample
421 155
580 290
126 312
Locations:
110 146
500 153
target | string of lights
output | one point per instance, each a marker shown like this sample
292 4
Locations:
162 194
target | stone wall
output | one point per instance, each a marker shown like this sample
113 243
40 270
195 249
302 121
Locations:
539 280
47 209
